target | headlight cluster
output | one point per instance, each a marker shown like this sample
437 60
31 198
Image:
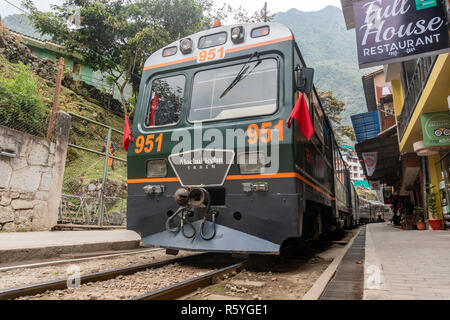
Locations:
156 168
252 162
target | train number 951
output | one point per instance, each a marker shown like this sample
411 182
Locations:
211 54
148 143
264 134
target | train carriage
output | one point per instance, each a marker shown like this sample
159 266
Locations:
213 165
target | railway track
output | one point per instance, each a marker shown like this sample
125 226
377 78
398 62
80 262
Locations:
186 287
171 292
66 261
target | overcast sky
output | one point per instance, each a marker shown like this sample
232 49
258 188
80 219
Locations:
274 6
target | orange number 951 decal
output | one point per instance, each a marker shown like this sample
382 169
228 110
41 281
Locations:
264 134
211 54
148 143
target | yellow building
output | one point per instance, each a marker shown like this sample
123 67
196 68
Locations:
422 86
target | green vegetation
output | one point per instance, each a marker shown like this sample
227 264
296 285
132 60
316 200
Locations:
330 49
335 108
25 103
20 98
431 201
419 212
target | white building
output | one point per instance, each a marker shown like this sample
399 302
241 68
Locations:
356 171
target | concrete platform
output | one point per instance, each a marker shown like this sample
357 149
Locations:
406 264
22 246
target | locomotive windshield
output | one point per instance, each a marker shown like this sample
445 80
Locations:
255 95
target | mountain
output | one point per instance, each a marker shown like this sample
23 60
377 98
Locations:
20 23
330 49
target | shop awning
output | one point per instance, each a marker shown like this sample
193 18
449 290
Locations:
388 167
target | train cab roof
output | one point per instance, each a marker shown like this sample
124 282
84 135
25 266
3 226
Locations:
252 35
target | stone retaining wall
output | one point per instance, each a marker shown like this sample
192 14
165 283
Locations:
30 183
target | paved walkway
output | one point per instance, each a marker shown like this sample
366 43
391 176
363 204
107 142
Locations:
404 265
17 246
22 240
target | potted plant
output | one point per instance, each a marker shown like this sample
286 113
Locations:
433 220
421 225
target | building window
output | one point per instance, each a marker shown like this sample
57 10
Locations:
76 69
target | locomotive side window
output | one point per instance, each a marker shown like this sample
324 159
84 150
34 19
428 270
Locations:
255 94
165 101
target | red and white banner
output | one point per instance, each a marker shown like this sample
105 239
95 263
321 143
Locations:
370 160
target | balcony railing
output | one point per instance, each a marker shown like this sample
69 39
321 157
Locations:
418 82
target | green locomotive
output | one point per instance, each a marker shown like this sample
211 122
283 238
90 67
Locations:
213 165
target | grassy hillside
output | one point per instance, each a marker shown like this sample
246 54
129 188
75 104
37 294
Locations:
81 166
328 47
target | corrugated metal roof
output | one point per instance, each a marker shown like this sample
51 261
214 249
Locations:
366 125
45 44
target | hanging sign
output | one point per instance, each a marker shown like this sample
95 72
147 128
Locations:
436 129
389 31
370 160
375 185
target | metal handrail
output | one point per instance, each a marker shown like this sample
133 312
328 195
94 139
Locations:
419 80
94 122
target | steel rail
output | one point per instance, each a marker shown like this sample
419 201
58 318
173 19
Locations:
186 287
33 289
72 260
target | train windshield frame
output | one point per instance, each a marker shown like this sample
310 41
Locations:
257 94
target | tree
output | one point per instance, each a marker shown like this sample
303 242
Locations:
241 15
117 36
334 108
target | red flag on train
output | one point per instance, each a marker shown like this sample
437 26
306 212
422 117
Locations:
155 103
127 138
301 114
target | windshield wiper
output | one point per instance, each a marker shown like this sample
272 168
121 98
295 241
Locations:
242 74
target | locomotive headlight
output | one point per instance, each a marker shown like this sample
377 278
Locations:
254 162
156 168
237 34
186 45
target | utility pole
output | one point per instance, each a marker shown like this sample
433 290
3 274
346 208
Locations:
55 107
265 11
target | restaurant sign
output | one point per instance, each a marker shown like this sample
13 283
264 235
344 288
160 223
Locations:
389 31
436 129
